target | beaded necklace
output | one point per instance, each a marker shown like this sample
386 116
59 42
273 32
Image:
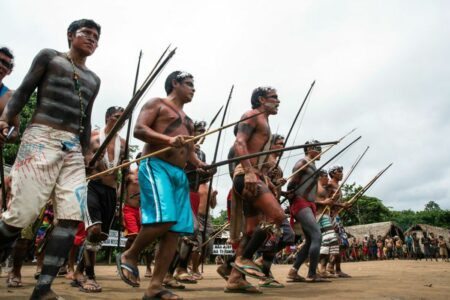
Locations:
77 85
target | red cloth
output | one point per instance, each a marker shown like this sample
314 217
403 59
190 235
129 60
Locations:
195 202
298 204
131 220
80 236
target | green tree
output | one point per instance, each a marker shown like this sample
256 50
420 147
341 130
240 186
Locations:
365 210
221 219
10 150
431 206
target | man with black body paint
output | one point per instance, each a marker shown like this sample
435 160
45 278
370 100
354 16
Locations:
303 209
50 159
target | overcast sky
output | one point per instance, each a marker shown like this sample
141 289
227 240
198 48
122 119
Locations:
380 66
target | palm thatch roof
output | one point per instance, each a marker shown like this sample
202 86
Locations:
383 229
437 231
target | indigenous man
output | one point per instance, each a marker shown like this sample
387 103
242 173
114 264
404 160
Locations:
6 67
274 245
443 252
165 205
50 159
132 215
251 189
303 210
417 250
202 210
198 188
336 174
101 198
330 243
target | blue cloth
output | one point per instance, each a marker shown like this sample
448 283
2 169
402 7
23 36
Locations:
165 195
3 89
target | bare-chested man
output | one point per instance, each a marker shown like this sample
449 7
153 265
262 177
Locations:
330 243
250 186
101 198
165 206
303 209
131 215
6 67
50 159
274 245
198 189
336 174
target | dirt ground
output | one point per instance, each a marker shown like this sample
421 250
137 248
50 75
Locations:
371 280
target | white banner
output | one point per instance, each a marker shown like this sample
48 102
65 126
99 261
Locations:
112 239
223 249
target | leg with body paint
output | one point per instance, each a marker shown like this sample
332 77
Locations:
182 275
19 254
312 246
58 247
8 235
271 209
89 284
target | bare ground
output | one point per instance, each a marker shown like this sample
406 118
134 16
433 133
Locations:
371 280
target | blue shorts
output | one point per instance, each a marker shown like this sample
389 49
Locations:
165 195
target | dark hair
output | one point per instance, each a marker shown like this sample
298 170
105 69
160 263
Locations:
178 76
75 25
323 172
334 169
7 52
261 91
199 124
275 138
112 110
317 148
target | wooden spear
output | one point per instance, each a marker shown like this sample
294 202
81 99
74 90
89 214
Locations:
124 165
131 105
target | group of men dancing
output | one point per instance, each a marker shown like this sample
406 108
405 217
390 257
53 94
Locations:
165 196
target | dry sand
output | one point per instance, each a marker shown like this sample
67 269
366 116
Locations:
371 280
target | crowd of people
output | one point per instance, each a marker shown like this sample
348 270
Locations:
428 247
63 186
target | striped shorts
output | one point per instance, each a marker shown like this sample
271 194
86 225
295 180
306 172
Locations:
330 244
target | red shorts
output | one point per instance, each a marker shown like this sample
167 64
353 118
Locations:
80 236
195 202
299 204
131 220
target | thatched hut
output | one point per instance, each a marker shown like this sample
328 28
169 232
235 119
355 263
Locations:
383 229
419 229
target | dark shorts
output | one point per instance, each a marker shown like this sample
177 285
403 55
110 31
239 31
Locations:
248 203
101 201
